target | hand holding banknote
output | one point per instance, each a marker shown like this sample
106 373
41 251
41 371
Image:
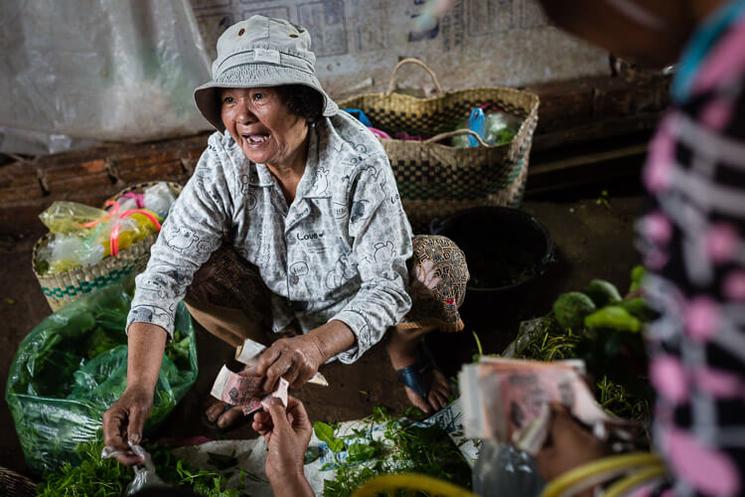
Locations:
567 446
510 401
287 432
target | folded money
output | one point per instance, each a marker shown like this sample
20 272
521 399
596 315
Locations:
242 388
509 401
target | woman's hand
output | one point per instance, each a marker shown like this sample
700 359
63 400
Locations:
125 420
295 359
287 433
570 445
298 358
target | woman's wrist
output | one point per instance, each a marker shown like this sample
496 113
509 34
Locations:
332 339
290 484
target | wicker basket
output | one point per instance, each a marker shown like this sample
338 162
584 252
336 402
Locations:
13 484
434 179
62 288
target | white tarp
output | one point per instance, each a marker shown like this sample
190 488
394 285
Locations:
75 72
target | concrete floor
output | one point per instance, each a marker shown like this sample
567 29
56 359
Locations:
593 240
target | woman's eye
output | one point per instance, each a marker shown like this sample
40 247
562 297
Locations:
258 96
228 99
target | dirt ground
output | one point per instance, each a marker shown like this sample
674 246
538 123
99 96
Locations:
593 240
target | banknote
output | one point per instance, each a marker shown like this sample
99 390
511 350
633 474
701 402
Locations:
509 401
236 388
243 389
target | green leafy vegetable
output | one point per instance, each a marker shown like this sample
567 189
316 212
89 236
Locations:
96 477
72 366
403 447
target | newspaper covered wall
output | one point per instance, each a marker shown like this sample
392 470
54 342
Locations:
477 43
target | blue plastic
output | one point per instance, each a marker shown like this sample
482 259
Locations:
477 124
360 115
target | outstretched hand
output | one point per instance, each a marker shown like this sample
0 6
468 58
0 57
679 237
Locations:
287 433
125 421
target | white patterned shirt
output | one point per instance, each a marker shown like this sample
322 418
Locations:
339 251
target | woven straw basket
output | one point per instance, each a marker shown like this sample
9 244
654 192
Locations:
13 484
62 288
435 179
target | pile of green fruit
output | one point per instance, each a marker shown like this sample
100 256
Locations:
604 329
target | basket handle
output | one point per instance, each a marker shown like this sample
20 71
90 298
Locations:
458 132
410 60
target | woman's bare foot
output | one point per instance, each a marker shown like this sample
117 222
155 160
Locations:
223 415
403 351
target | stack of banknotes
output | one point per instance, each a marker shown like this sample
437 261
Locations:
509 401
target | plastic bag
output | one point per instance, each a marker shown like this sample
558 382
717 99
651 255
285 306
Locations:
72 367
158 198
146 477
113 71
504 471
70 217
66 252
497 128
83 235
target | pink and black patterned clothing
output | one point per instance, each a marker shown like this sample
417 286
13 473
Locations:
693 244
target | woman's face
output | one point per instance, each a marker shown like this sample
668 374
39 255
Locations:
260 122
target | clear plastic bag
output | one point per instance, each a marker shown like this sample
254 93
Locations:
498 128
158 198
70 217
72 367
113 71
67 252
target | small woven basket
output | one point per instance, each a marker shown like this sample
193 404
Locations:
436 180
62 288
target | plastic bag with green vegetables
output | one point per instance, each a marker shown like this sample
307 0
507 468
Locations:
72 367
499 129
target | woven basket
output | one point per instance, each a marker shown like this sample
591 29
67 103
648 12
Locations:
62 288
435 179
13 484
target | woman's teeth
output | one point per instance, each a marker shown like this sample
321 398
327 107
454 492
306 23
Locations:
256 139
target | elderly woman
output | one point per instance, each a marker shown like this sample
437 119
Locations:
291 224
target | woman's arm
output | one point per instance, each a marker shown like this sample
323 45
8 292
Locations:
382 244
193 230
125 419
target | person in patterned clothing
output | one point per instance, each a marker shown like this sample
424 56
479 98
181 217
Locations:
291 226
691 238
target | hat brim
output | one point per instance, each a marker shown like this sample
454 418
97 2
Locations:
255 76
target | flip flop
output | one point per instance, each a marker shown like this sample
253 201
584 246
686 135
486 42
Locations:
419 376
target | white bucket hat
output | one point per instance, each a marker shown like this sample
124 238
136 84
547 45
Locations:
260 52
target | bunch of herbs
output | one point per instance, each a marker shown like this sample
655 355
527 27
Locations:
405 446
96 477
